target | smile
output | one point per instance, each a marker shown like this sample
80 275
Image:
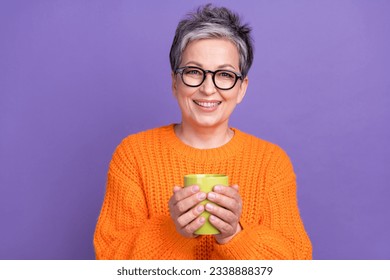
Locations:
208 104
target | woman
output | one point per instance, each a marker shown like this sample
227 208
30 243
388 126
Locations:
142 218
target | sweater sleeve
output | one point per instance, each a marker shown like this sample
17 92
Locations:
124 229
279 233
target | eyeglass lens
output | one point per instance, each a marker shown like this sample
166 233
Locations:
223 79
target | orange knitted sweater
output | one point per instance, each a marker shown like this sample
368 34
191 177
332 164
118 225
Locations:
134 222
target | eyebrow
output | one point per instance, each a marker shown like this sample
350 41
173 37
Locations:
219 67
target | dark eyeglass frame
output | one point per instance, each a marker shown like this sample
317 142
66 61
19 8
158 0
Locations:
181 70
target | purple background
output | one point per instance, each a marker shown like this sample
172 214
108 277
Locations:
78 76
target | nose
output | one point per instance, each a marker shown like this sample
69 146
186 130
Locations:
208 86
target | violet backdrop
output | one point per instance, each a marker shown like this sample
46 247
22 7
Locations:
76 77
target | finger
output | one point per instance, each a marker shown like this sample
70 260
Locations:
186 192
189 216
187 203
227 191
172 200
190 228
232 204
222 226
222 213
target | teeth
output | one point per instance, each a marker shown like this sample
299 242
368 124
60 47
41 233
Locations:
207 104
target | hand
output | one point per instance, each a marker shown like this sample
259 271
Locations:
225 216
185 209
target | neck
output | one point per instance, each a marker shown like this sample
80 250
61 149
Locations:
204 137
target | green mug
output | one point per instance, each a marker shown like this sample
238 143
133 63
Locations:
206 182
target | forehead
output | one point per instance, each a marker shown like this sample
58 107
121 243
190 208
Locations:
211 53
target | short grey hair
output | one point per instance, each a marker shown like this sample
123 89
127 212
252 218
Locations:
213 22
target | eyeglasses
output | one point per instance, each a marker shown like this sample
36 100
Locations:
194 76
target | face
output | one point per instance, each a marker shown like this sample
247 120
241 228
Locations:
206 105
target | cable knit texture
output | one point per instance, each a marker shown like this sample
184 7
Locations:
134 222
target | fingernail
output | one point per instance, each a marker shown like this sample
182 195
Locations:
202 220
209 207
212 218
201 196
211 196
217 188
200 208
195 189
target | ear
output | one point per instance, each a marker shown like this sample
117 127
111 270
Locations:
242 90
174 84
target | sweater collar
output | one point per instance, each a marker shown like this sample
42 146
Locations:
234 146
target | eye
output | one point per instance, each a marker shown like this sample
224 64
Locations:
193 72
226 75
